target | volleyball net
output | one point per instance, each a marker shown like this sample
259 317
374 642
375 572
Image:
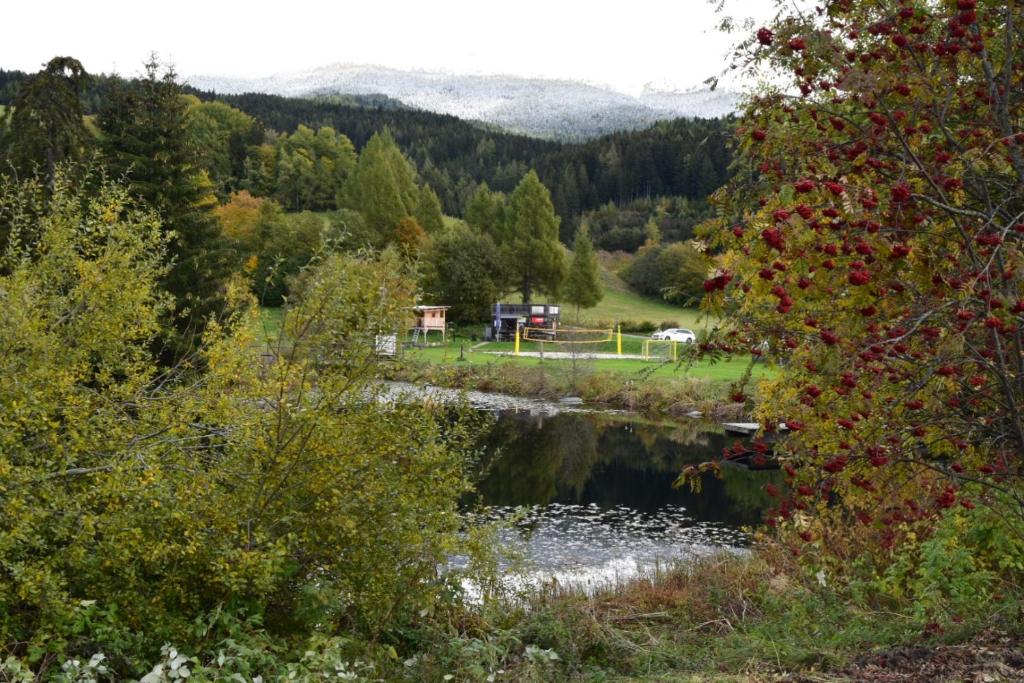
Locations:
568 335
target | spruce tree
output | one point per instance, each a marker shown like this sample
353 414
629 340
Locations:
583 285
146 141
46 126
536 257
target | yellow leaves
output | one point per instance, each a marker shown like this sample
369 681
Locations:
240 216
110 213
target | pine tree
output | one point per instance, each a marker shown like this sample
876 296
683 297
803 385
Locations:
536 257
146 141
583 285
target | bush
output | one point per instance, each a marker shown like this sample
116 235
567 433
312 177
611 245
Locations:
638 327
277 489
674 272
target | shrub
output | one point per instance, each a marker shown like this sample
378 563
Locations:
277 489
640 327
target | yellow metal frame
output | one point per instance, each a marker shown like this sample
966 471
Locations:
673 349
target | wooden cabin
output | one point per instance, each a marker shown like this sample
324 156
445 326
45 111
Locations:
428 319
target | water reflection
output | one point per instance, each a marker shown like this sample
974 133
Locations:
594 492
589 458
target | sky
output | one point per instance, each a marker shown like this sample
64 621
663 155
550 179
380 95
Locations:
624 44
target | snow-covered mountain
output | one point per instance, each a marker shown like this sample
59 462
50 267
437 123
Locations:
532 106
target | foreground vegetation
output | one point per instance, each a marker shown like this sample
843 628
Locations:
753 617
174 505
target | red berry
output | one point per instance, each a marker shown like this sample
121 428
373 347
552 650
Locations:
899 251
836 464
900 192
859 277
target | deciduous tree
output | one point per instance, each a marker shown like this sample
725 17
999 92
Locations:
583 285
874 239
535 256
465 270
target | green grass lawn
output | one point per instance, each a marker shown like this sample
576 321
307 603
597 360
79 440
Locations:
723 371
269 324
475 353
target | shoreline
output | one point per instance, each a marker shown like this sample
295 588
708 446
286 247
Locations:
681 397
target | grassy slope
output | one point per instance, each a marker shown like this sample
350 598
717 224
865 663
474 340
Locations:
621 303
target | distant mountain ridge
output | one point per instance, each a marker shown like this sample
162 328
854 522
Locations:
547 108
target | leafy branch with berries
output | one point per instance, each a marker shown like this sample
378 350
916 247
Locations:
872 236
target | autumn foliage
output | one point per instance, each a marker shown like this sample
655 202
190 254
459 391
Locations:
873 236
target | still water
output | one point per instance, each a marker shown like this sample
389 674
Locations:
591 495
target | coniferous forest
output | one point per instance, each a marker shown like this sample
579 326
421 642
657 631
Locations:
682 158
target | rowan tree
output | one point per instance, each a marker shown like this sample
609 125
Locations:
873 237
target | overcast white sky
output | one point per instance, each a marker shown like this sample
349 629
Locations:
622 43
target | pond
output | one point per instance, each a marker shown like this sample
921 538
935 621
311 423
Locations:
591 495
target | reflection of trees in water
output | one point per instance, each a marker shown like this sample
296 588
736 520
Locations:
577 458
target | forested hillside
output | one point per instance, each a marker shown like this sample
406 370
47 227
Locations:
554 109
686 158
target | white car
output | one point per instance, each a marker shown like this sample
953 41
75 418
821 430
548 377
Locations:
677 334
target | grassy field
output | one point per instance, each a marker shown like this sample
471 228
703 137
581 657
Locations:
482 353
619 304
723 371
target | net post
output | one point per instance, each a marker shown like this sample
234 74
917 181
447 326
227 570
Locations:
675 351
618 346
